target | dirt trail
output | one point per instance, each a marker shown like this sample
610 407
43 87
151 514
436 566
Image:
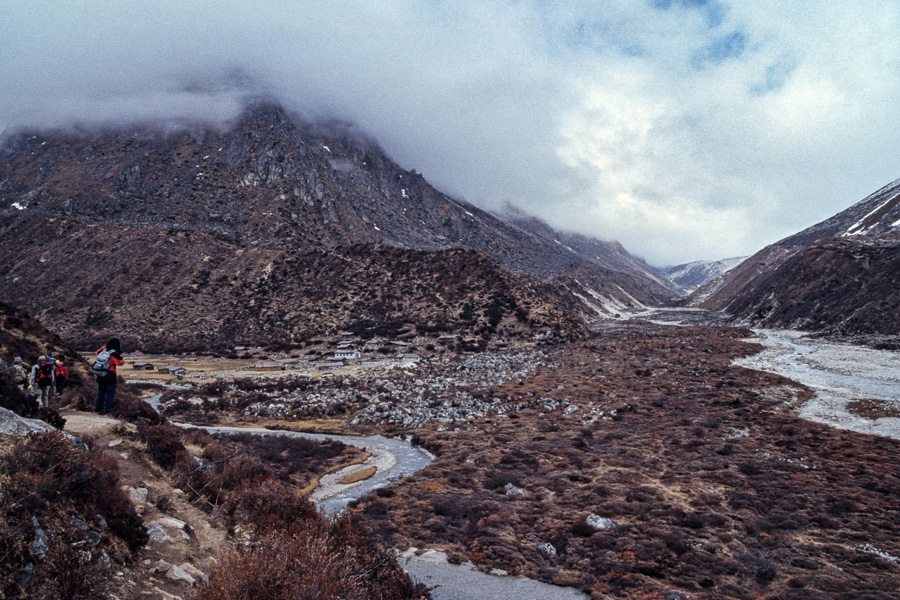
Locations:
184 540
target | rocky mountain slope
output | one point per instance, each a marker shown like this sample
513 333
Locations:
690 276
148 230
607 254
179 290
840 276
23 336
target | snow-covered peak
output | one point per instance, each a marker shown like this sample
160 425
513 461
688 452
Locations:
691 276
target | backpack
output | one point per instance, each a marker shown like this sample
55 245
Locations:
62 372
101 363
45 373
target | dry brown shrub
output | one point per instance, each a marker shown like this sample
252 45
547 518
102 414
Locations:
315 561
47 480
269 504
163 442
130 406
48 466
243 470
69 574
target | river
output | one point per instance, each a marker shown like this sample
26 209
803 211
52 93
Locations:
856 388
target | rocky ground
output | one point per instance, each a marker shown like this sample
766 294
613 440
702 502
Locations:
446 389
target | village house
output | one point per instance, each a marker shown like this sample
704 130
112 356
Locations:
172 370
348 353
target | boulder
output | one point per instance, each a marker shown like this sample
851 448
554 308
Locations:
598 522
160 566
24 576
138 494
41 545
513 490
194 572
13 424
171 523
179 574
157 534
548 549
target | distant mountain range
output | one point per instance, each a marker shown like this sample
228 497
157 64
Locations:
692 275
839 276
177 237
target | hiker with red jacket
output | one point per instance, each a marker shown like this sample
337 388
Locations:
42 377
62 377
108 358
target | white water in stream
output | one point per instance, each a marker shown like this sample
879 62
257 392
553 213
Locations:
838 374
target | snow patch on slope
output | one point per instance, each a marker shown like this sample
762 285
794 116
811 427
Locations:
858 228
605 306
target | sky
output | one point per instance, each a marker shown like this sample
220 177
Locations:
685 129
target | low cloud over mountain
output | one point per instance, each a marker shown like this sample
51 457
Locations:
685 130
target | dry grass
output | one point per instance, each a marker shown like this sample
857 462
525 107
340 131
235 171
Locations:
310 487
313 560
314 482
203 369
331 426
358 476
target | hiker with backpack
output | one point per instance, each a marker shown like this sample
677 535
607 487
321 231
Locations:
19 373
62 377
42 377
108 358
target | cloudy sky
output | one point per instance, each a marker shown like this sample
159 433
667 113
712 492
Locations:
686 129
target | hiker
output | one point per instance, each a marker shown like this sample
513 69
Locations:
108 358
62 377
42 377
19 372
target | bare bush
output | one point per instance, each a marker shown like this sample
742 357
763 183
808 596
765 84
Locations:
317 560
46 479
163 442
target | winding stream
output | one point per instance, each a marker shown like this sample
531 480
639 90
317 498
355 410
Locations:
840 375
394 460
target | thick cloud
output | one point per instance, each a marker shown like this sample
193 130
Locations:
686 129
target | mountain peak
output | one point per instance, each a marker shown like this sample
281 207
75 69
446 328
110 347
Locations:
273 185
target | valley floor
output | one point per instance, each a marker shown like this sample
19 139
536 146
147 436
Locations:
641 463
